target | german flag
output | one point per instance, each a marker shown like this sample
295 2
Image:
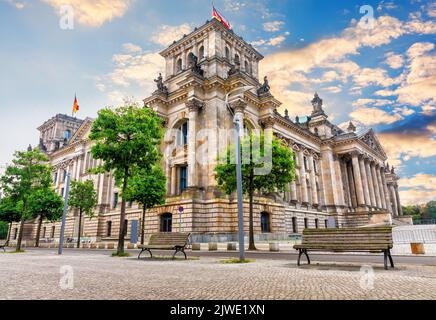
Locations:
76 105
220 18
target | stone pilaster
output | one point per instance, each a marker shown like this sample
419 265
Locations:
339 186
352 185
315 200
173 180
346 185
397 196
386 191
193 105
394 201
303 182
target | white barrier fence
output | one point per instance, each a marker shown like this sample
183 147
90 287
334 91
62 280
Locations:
405 236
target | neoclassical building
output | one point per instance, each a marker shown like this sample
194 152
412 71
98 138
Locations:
342 178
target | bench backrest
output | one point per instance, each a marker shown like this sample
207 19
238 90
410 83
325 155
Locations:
372 237
169 239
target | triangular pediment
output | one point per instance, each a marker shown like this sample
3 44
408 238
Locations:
83 132
371 140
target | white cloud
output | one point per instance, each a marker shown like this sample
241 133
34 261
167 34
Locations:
273 26
371 102
395 61
168 34
421 188
93 13
373 116
273 42
131 48
17 4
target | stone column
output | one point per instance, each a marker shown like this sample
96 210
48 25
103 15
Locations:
79 168
386 191
370 183
380 186
394 201
294 192
193 107
357 179
364 181
352 185
346 184
339 186
315 200
173 180
303 183
375 183
397 196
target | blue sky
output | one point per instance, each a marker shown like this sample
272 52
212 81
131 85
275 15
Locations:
383 77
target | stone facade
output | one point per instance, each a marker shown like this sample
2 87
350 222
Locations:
341 175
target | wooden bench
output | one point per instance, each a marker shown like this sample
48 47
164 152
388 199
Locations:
166 241
372 239
3 245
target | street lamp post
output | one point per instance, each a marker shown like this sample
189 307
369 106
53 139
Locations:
64 217
238 123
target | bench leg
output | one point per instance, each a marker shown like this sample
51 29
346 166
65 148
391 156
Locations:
385 254
182 250
149 251
390 259
307 256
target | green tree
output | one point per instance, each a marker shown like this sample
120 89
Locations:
8 214
414 210
45 204
83 198
28 173
430 210
280 171
148 188
127 139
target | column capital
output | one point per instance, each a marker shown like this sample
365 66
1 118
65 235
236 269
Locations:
267 122
194 104
239 106
355 154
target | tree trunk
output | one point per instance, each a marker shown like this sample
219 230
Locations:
142 225
38 232
9 234
80 229
120 249
251 245
20 235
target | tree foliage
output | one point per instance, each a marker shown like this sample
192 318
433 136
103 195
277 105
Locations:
148 188
28 173
83 198
280 171
127 139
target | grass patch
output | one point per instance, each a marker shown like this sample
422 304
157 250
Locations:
121 255
236 260
168 258
16 251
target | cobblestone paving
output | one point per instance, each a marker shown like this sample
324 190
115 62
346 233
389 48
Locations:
37 275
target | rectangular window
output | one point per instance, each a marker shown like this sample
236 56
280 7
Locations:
314 166
64 176
55 178
306 223
130 204
185 133
326 223
62 192
316 223
115 204
15 233
126 225
44 232
53 229
183 178
305 163
109 228
294 225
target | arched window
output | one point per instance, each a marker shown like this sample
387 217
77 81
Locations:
237 61
166 222
201 52
247 67
67 135
265 222
227 53
179 65
182 134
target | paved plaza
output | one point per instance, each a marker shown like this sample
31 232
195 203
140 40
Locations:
41 274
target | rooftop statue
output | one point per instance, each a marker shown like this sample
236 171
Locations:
265 88
160 85
193 63
317 105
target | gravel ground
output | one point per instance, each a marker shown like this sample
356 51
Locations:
95 275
